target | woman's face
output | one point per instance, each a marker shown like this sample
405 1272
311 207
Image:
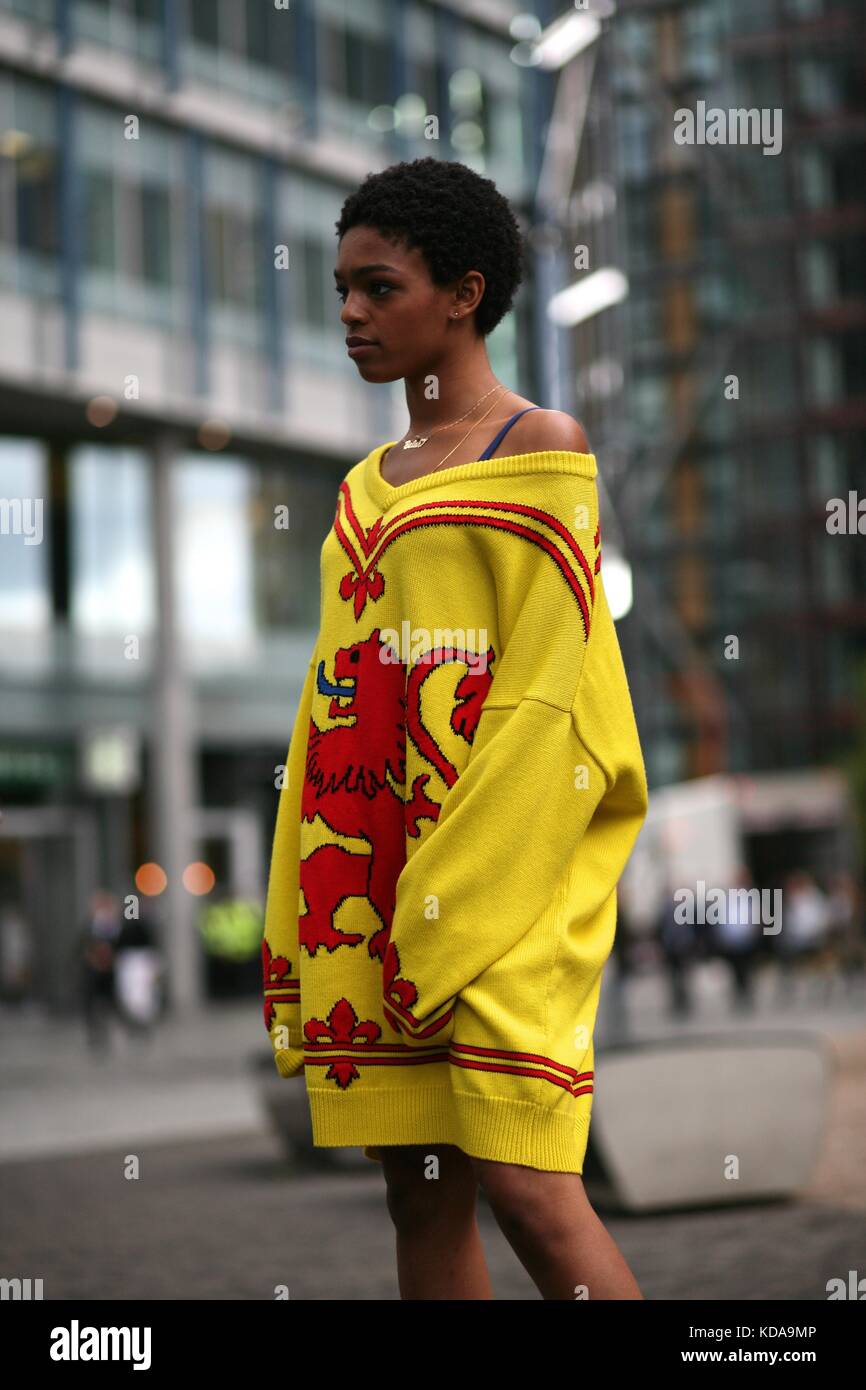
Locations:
388 297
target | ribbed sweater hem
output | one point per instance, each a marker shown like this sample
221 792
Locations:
504 1131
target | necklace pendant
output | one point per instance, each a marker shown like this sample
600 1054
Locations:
416 442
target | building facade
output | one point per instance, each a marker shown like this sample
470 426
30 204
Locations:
172 373
727 391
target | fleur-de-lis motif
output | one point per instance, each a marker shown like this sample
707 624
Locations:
362 587
274 972
342 1027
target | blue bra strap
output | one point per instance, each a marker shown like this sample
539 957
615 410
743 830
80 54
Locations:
494 443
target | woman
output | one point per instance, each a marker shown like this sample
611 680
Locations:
464 782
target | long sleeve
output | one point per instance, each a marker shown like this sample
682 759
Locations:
537 776
280 951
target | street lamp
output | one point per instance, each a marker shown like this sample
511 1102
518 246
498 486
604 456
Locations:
594 293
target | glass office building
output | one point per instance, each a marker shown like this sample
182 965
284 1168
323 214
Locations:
172 373
727 392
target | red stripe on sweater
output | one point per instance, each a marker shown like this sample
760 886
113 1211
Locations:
518 508
525 532
525 1071
521 1057
326 1054
374 543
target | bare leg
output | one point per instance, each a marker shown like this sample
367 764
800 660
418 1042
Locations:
548 1221
439 1250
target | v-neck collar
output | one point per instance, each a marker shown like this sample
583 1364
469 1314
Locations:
500 466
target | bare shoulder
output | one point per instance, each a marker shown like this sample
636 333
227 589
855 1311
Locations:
548 429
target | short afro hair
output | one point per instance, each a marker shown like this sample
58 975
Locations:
457 219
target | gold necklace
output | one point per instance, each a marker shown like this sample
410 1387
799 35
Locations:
415 441
466 435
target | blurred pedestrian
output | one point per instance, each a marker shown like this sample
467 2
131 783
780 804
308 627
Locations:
678 940
737 934
98 940
138 977
805 925
16 957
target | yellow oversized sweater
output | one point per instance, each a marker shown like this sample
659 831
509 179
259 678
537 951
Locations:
464 785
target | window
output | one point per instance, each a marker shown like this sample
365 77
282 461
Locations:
307 212
840 666
718 418
641 211
636 56
204 21
783 687
715 300
816 177
830 556
721 503
768 379
762 280
287 561
818 272
666 759
25 601
42 11
241 578
237 258
131 26
850 264
133 206
113 587
826 469
354 45
804 9
770 481
646 329
486 102
826 379
636 132
817 86
29 214
247 47
650 402
701 41
757 15
314 309
424 55
214 552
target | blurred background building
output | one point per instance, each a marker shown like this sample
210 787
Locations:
744 264
173 369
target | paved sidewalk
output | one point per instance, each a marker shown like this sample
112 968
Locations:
218 1213
230 1220
191 1080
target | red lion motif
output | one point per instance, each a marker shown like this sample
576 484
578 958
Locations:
350 773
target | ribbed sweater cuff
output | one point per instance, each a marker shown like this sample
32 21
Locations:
506 1131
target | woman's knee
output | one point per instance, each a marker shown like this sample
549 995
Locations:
427 1183
525 1199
